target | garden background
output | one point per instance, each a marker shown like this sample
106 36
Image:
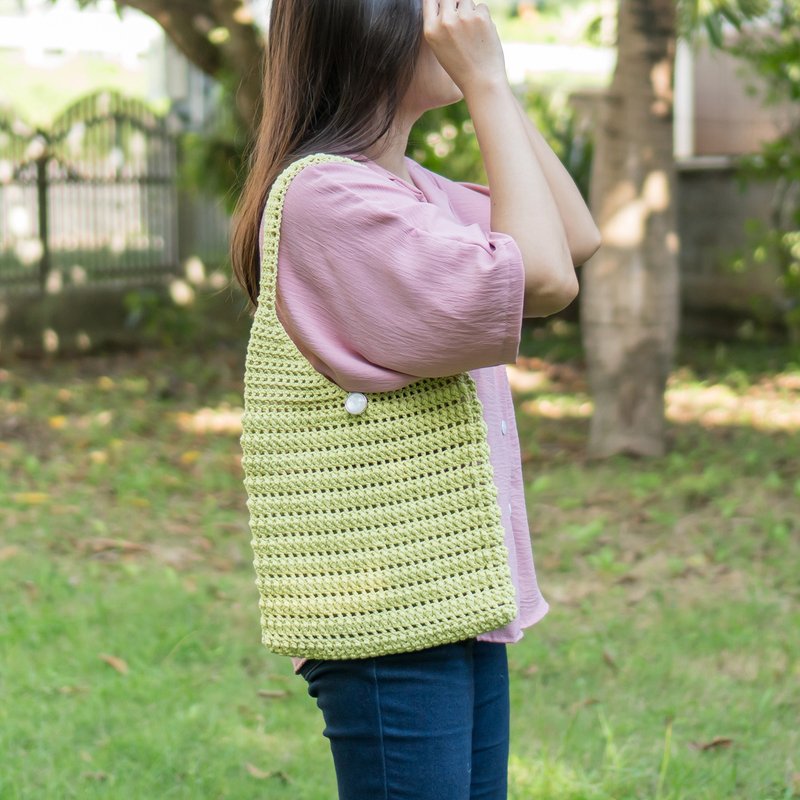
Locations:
130 658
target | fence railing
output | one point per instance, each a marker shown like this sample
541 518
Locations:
94 199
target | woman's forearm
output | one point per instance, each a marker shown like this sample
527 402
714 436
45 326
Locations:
583 235
522 204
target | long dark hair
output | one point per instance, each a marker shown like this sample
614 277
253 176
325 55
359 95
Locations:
335 73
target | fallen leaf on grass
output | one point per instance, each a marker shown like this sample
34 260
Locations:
609 659
588 701
8 552
551 562
101 543
116 662
190 456
261 774
273 676
64 508
717 741
531 670
95 776
140 502
73 689
272 693
222 564
203 543
30 498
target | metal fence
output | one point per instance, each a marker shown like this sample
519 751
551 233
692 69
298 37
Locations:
94 199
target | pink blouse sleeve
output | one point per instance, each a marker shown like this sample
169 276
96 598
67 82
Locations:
472 203
378 289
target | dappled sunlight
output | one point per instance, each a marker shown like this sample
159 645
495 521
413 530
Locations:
548 777
181 293
771 404
54 283
50 340
195 270
100 419
626 225
557 407
655 190
526 380
760 407
78 274
625 228
29 251
661 81
223 419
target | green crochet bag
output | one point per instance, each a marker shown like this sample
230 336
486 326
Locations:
375 520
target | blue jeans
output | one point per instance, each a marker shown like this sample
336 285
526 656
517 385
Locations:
431 724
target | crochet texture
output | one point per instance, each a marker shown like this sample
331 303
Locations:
373 533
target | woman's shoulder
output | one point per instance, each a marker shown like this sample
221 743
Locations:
337 172
340 189
453 187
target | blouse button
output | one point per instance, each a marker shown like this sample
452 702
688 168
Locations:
355 402
503 426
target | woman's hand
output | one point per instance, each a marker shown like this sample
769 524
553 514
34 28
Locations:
464 39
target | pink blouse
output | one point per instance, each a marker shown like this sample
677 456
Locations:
382 282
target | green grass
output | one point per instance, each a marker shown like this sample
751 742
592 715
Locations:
667 669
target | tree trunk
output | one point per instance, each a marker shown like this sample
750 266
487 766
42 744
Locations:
629 290
220 38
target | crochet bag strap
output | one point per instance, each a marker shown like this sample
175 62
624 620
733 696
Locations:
273 214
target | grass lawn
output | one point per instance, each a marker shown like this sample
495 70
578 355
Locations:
130 658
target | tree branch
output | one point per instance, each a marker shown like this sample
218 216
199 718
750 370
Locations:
182 22
244 53
217 36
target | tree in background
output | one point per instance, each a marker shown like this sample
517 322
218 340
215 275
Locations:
219 37
630 289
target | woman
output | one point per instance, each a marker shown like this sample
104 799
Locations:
389 277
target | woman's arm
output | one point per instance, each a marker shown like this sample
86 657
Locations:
583 235
465 42
522 203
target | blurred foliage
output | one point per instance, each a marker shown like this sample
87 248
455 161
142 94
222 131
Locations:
712 16
773 54
443 139
211 160
158 317
184 313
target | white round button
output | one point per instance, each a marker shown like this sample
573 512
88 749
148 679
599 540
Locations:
355 402
503 426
